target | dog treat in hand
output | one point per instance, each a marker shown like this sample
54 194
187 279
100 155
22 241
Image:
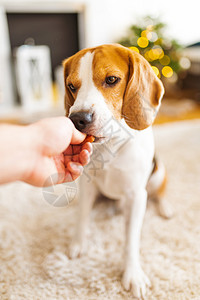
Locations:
89 138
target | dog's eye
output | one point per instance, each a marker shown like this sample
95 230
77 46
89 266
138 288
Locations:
72 88
111 80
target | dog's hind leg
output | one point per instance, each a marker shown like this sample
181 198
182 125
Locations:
156 189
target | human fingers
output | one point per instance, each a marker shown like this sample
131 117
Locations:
56 134
84 157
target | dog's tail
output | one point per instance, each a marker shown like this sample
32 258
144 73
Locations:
156 187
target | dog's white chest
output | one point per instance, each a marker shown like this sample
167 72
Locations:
128 169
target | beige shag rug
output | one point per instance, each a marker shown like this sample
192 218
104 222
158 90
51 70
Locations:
34 236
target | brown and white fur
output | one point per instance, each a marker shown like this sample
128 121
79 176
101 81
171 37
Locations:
132 99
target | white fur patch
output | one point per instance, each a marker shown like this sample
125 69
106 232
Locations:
89 98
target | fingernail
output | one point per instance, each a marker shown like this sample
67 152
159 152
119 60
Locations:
76 167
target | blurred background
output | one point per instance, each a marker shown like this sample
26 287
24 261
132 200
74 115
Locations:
36 36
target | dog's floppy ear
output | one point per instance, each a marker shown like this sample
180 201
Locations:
143 93
69 100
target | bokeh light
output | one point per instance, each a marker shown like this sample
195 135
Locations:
158 42
152 36
165 60
146 55
156 71
150 27
167 71
134 49
142 42
158 52
144 33
185 63
149 39
151 55
167 44
173 78
155 53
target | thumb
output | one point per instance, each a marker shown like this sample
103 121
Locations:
77 136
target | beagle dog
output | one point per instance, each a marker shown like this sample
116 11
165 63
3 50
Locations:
111 86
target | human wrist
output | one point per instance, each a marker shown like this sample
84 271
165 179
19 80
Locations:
29 142
16 152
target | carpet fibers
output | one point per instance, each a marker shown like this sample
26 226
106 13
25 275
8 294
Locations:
34 236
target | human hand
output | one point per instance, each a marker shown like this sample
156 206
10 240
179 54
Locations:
56 152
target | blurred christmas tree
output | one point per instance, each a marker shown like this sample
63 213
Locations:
149 40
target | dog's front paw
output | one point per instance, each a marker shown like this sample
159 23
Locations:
75 249
136 281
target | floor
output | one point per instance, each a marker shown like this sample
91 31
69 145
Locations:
173 109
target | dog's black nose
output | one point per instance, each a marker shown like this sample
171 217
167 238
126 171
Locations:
81 119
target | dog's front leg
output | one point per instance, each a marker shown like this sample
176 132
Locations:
134 209
87 195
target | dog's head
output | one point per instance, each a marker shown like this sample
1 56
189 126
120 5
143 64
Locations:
110 81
